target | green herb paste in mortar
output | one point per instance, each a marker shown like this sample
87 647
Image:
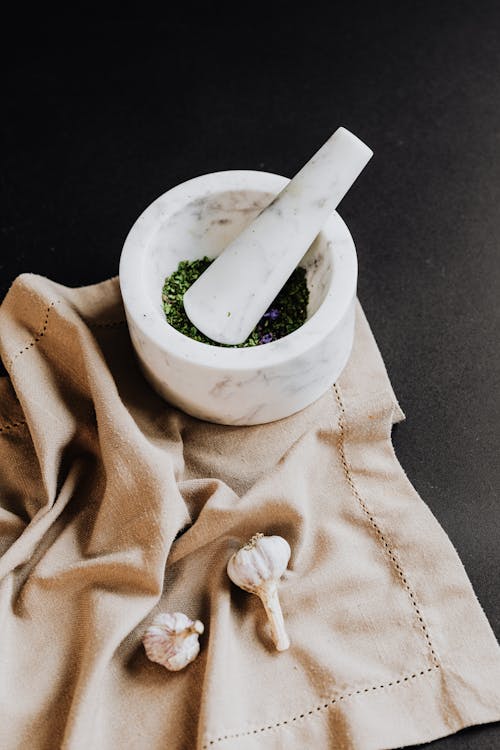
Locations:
287 312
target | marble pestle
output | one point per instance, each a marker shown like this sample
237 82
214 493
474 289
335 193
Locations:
229 298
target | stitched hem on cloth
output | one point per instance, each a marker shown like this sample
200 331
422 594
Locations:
44 328
312 711
12 426
373 523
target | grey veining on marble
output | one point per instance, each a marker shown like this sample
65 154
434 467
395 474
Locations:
222 384
230 297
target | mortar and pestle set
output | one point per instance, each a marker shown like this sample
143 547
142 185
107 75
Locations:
259 227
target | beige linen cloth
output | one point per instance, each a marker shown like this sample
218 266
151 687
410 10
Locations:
115 506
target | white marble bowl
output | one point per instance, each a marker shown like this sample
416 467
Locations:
223 384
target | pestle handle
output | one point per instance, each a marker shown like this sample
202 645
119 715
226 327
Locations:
227 301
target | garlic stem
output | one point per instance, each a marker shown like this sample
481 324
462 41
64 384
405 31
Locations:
268 594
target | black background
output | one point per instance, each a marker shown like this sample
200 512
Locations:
101 117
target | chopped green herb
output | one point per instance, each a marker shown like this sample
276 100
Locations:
287 312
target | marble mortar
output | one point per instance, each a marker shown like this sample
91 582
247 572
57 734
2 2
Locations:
220 384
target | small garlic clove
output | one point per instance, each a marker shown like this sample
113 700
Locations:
172 640
257 567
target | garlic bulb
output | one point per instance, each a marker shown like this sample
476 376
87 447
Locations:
257 568
172 640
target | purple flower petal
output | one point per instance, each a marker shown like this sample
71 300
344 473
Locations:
273 313
266 338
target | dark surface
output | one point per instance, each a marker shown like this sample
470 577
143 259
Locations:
95 130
